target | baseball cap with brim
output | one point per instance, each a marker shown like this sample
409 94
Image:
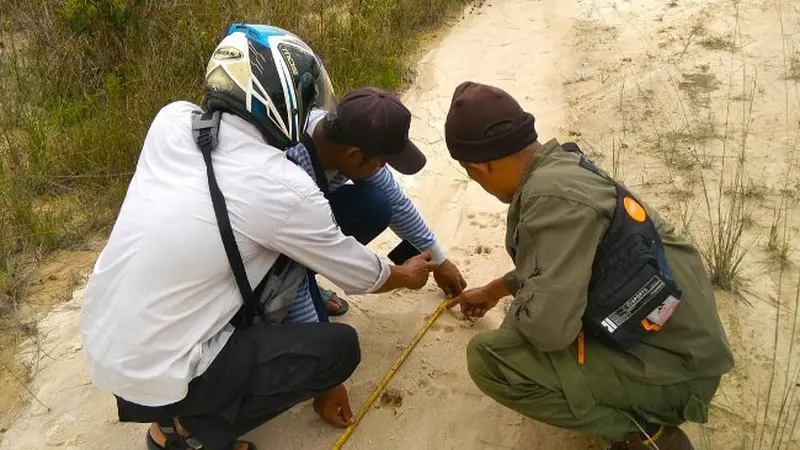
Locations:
407 161
376 121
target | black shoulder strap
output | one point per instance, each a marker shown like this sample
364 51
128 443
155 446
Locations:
586 163
205 128
572 147
622 192
319 171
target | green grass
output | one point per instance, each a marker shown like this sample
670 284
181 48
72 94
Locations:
83 79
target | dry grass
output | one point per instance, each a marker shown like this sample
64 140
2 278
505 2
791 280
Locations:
794 67
720 43
698 86
684 148
778 243
77 99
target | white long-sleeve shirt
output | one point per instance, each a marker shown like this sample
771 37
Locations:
157 306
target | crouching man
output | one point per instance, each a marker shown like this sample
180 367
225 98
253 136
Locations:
613 330
171 323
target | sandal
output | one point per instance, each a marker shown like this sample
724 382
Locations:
327 295
177 442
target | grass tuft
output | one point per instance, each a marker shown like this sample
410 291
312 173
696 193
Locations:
717 42
698 86
725 249
794 67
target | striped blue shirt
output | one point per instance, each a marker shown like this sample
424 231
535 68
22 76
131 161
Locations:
406 222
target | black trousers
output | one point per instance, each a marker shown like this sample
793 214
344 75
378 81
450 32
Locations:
260 373
362 211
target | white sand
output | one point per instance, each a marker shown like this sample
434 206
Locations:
573 64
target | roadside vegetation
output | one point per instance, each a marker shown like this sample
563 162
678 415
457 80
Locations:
82 79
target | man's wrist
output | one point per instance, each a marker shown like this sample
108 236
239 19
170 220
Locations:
497 289
403 275
398 278
437 254
510 282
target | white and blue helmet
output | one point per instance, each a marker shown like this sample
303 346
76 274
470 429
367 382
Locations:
269 77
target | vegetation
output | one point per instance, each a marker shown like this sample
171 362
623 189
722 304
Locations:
83 78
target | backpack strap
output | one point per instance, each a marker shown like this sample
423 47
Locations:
586 163
572 147
205 128
319 172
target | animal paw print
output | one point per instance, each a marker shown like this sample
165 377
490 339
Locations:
391 398
482 250
485 220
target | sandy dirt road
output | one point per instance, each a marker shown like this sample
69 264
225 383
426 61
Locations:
646 87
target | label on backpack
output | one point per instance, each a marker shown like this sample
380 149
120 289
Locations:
628 309
661 314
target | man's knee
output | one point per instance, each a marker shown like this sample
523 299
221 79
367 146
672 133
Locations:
479 360
361 210
376 204
342 349
504 366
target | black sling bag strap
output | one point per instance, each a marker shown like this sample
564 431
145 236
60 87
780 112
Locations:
205 129
319 172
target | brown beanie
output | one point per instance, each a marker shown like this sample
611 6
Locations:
485 124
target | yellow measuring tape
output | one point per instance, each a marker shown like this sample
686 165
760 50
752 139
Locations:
389 375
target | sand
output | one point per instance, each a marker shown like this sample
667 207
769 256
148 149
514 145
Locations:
647 88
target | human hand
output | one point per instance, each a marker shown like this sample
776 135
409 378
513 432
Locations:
417 269
334 407
475 302
449 279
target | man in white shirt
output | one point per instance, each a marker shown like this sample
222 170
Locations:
159 305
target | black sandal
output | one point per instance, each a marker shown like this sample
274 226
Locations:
177 442
327 295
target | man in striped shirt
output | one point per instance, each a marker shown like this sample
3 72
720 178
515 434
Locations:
347 144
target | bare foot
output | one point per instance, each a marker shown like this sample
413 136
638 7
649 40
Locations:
161 439
334 304
334 407
158 435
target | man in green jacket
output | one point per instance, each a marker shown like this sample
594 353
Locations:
641 369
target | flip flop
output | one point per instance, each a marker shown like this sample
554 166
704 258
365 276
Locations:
327 295
178 442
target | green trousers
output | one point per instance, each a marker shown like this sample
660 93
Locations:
592 398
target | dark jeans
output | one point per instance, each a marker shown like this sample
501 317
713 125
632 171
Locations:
260 373
363 212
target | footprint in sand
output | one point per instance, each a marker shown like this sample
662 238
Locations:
475 223
390 398
482 250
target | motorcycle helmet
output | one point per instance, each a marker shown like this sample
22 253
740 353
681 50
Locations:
269 77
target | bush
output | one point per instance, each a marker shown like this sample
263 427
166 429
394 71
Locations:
83 78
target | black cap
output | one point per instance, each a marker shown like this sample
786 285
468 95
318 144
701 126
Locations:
485 123
377 122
